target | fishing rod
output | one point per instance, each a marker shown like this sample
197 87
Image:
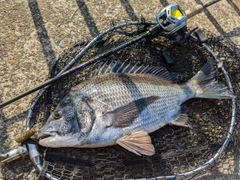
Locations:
171 22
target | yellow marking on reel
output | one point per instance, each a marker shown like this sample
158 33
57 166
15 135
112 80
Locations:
177 13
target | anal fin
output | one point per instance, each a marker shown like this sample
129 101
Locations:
181 121
139 143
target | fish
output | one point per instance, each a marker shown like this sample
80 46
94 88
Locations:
121 103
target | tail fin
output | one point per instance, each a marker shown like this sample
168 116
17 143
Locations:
205 85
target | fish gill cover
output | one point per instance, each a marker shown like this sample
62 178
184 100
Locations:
178 149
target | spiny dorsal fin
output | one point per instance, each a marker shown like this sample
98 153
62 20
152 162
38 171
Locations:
139 143
117 67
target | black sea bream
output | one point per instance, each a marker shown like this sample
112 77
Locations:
122 103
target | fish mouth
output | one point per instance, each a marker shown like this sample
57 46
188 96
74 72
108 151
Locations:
45 135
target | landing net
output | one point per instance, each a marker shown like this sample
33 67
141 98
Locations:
178 150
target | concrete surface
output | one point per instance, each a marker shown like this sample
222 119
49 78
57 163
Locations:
34 33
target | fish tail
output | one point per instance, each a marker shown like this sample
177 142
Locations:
205 85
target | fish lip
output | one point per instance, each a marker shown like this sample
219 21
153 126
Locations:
44 135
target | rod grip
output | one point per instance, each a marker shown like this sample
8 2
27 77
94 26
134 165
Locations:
194 11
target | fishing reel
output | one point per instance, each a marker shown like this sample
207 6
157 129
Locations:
172 21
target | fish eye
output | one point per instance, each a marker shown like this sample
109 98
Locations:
57 114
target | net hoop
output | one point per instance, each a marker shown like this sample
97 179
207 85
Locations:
176 176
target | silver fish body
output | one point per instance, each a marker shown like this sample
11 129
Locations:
122 105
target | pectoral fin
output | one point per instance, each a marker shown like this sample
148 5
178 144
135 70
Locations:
181 121
139 143
125 115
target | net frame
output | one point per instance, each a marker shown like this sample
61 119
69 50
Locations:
176 176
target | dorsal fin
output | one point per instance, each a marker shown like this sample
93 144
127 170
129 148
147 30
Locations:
117 67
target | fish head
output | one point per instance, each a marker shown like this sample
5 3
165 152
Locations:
61 127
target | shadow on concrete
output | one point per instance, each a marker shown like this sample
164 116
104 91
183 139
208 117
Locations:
42 32
215 23
164 3
128 8
234 6
87 17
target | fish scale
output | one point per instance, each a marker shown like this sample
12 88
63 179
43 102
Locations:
122 103
144 89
